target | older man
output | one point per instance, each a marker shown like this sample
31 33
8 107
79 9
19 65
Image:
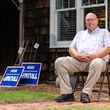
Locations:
88 52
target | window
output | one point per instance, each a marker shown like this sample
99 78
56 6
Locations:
67 17
62 22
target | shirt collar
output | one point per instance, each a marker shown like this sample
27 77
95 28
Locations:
94 31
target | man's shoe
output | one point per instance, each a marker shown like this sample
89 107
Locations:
85 98
65 98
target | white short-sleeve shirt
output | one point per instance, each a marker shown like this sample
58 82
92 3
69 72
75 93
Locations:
91 42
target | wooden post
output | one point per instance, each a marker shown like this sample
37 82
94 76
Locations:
21 23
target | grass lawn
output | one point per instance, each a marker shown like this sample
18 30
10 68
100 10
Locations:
19 96
39 94
80 108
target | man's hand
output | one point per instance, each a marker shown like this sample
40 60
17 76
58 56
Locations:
83 57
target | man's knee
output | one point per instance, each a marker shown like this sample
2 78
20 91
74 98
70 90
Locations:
59 61
99 63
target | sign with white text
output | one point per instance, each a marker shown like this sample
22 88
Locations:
31 73
12 76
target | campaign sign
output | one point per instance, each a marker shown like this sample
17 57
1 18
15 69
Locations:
31 73
12 76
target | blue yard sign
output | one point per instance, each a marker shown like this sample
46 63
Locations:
12 76
31 73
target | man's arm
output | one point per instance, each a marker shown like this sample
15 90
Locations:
73 52
105 51
87 57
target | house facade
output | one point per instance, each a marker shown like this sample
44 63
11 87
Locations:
59 21
52 24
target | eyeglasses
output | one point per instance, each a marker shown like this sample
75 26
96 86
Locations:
88 20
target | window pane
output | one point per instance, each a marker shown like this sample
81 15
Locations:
100 12
65 3
60 4
93 2
100 1
66 25
71 3
85 2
